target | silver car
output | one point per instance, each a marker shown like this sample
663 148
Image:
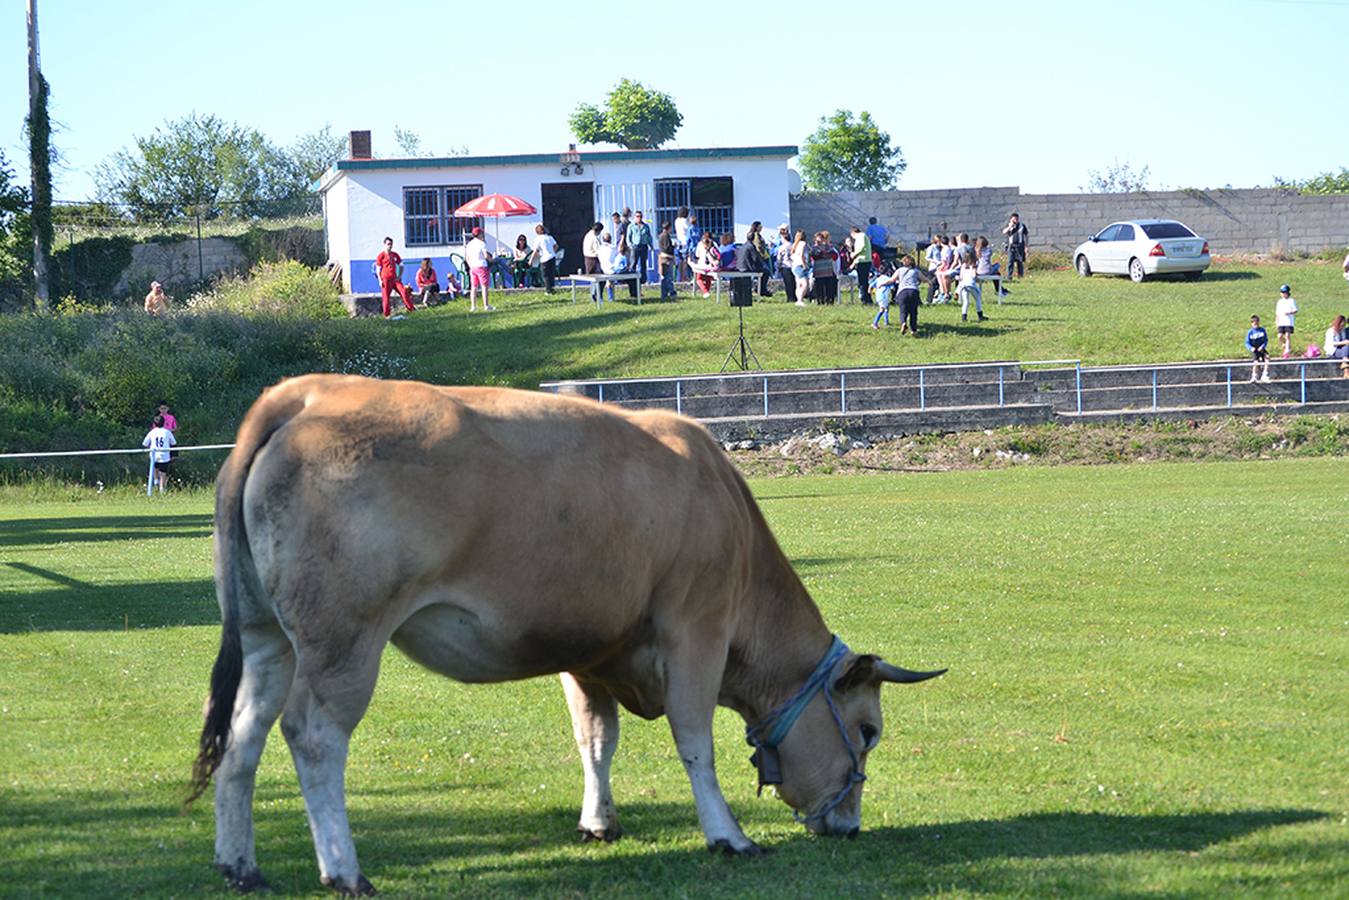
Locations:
1141 248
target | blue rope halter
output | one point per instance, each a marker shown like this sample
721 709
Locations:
765 735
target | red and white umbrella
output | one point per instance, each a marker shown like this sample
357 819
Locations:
495 206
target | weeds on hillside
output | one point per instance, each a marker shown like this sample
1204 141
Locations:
285 288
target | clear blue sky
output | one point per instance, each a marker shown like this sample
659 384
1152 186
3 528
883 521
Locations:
1204 93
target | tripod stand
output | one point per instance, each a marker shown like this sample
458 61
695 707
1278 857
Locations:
741 347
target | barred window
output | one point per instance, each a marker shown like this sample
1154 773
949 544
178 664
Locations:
421 216
456 229
671 194
710 199
428 214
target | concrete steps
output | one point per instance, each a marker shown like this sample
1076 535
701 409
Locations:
959 397
1189 386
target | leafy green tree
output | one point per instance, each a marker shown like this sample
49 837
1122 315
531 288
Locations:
634 116
1116 178
16 235
314 153
843 155
1325 183
40 158
206 166
409 142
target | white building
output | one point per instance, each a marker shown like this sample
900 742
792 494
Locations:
413 200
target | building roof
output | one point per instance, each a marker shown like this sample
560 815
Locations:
783 151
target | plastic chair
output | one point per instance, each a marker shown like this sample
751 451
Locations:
461 266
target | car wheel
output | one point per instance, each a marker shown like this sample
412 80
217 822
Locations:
1083 267
1136 273
1194 276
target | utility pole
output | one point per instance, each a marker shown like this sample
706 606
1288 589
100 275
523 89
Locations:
39 143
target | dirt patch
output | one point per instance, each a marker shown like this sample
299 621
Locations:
1224 439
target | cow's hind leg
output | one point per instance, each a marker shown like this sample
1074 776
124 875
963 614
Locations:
326 702
594 721
692 684
268 667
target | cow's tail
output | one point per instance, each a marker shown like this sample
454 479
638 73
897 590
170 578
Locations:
235 574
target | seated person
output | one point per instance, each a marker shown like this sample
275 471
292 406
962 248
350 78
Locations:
986 265
706 260
520 257
428 288
612 262
453 289
726 252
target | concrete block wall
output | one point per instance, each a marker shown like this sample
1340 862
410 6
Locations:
1258 220
177 263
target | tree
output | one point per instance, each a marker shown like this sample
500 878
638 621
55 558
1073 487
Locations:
16 239
409 142
1117 178
634 116
201 165
314 153
40 160
1325 183
843 155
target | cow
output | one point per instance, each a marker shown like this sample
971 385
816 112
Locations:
492 535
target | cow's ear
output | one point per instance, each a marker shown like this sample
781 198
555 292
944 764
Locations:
860 671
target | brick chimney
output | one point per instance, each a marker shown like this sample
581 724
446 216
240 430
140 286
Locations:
360 145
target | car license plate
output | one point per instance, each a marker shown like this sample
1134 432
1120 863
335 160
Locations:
1183 249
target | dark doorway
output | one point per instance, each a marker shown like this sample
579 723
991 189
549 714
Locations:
568 213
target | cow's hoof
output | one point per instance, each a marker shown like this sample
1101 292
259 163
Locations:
241 880
362 887
590 835
726 848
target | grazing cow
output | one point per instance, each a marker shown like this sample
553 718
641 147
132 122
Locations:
494 535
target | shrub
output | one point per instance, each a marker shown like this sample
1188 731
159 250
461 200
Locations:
1044 261
91 378
285 288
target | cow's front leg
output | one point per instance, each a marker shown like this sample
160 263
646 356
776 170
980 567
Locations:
691 699
594 721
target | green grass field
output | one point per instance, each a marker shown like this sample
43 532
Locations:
1052 315
90 380
1147 696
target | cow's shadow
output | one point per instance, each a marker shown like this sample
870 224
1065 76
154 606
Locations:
466 847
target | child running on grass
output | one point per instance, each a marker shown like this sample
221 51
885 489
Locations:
882 284
1257 341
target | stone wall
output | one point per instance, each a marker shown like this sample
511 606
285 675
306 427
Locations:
1259 220
177 264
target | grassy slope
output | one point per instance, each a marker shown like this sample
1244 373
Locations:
1147 695
91 381
1051 316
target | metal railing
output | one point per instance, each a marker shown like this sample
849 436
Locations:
1228 381
763 380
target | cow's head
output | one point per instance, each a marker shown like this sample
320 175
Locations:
822 760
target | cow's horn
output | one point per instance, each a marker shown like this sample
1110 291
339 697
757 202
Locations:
886 672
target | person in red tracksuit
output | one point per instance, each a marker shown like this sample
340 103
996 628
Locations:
387 264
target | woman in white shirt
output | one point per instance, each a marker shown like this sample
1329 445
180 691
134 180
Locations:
1337 344
801 266
545 253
